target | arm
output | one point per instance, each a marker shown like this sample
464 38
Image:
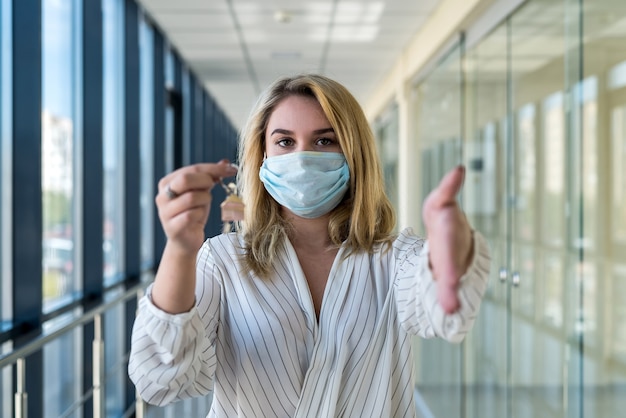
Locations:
419 308
172 350
183 217
452 269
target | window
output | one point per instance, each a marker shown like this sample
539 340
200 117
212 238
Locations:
5 156
60 77
169 112
113 139
60 127
62 370
147 191
6 374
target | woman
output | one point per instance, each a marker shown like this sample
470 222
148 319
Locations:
307 310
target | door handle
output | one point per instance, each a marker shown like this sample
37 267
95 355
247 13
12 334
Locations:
515 279
503 274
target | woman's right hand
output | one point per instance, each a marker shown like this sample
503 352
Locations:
184 203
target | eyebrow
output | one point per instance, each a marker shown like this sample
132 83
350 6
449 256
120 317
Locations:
288 132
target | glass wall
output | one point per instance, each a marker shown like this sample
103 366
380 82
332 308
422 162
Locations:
439 124
487 158
386 130
62 372
61 34
60 130
6 392
602 160
170 111
113 139
146 103
114 362
5 154
543 99
77 254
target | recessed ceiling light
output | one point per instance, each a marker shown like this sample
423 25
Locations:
282 16
286 55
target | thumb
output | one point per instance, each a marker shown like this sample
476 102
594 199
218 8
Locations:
449 187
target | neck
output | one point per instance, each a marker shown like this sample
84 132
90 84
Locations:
309 233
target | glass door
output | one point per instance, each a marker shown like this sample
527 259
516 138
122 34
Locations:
602 189
540 272
485 202
439 364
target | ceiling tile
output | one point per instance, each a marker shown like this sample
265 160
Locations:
236 55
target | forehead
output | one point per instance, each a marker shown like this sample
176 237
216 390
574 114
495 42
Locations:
298 111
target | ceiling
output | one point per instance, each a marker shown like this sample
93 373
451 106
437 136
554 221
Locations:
238 47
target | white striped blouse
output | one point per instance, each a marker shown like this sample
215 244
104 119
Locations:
257 346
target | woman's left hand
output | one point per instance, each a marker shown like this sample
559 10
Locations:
449 238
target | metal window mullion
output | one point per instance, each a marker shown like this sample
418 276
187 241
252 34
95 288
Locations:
209 154
132 171
159 133
92 237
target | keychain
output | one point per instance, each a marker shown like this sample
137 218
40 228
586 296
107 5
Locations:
232 207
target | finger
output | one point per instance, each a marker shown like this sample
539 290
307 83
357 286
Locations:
197 176
190 181
206 171
194 217
449 187
169 208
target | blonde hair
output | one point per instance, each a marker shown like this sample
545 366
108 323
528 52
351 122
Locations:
365 216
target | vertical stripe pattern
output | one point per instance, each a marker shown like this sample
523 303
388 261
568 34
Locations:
257 346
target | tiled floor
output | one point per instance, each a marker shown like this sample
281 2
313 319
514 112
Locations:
535 402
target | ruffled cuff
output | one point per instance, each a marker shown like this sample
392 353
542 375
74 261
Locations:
453 327
170 332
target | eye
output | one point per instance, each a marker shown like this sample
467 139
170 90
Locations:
325 141
284 142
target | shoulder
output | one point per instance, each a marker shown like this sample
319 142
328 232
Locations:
222 250
404 246
407 241
231 242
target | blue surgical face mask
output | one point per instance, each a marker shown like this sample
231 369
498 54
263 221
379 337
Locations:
310 184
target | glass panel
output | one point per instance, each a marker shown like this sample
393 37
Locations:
618 326
113 139
169 112
553 156
538 351
7 394
388 145
485 204
147 191
59 72
587 120
439 131
552 293
5 159
526 178
187 110
62 376
618 191
115 362
601 244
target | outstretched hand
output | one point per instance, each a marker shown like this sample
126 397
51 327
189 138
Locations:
449 238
